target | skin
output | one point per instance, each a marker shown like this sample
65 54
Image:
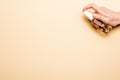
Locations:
105 15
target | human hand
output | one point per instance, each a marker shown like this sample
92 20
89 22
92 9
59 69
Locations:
105 15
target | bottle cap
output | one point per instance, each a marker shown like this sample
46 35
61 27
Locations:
89 15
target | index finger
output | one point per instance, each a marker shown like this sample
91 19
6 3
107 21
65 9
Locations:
94 7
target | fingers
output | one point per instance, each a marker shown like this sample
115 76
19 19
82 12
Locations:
107 12
99 12
94 7
106 9
90 6
101 18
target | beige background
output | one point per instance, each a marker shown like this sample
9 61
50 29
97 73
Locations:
51 40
